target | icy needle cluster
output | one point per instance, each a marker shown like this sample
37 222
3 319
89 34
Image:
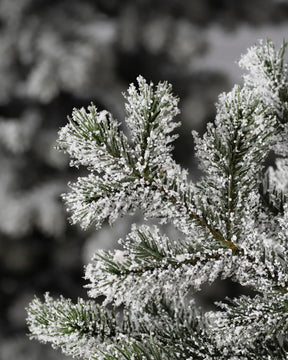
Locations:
233 224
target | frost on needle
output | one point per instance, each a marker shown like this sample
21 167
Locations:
232 223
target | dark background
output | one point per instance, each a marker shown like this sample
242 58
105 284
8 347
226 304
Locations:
56 55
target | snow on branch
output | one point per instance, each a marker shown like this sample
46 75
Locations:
232 224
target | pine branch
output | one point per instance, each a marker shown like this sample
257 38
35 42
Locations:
93 139
267 75
128 174
151 261
178 328
233 225
150 264
78 329
90 331
150 116
262 319
232 153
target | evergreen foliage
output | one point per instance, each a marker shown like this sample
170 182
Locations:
233 224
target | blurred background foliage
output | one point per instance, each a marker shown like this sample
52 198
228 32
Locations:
60 54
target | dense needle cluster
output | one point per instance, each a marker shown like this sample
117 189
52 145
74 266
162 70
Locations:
233 224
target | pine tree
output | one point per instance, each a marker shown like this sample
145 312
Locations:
232 224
